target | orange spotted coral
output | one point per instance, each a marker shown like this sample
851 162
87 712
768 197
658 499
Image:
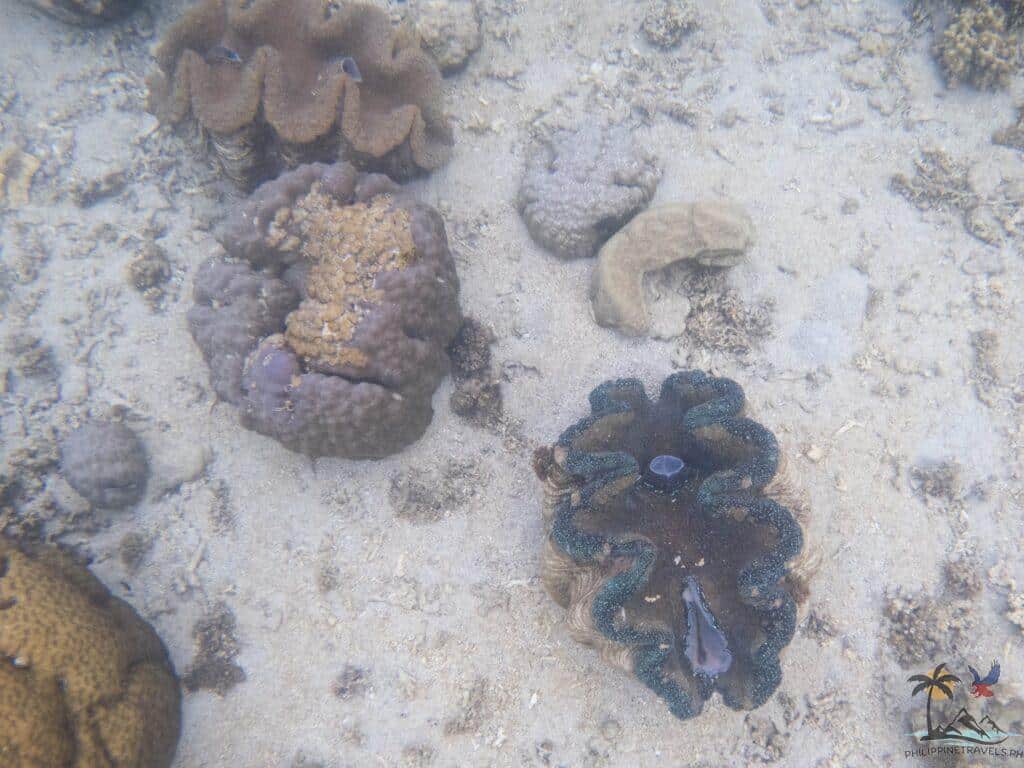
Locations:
271 82
84 681
347 246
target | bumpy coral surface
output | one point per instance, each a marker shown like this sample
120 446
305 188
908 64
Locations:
581 186
274 82
978 48
712 234
106 463
450 30
85 11
666 21
667 542
330 330
84 682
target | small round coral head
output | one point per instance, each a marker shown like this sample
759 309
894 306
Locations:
665 473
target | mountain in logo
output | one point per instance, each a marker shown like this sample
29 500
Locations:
963 720
965 727
992 727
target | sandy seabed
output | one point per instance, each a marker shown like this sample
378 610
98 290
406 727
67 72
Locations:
372 632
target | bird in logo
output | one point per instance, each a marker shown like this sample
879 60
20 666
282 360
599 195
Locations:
982 686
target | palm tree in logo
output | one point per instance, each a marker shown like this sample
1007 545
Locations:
938 684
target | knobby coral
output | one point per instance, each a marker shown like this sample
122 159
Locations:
84 681
668 543
106 463
330 329
274 83
580 186
977 47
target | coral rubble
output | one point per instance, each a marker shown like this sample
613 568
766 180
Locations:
148 272
330 327
106 463
922 627
449 29
274 83
84 681
85 12
580 186
477 394
978 47
214 667
668 543
709 234
666 21
721 319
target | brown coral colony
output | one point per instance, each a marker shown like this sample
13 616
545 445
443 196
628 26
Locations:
273 83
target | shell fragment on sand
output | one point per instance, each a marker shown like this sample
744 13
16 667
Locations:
16 171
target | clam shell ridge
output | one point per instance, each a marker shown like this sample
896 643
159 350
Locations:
601 600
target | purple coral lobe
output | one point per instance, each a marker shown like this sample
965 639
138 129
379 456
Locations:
269 380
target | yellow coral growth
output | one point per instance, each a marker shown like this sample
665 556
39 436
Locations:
347 246
83 680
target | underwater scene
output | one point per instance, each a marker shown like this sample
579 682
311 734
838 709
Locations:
511 383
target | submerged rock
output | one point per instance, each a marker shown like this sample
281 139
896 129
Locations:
17 168
667 21
450 30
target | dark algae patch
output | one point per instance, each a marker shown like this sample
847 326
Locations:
214 668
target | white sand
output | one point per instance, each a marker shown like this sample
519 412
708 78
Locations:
430 609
